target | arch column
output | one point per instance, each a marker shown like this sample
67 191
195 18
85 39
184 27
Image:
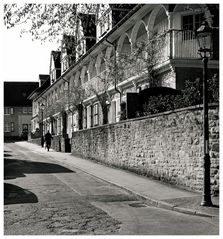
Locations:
170 28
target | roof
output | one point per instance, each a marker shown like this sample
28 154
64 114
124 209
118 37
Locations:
16 93
124 19
36 92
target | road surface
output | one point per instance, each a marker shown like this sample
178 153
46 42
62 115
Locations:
45 197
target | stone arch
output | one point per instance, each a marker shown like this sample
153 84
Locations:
135 31
108 52
77 78
123 43
98 63
90 68
151 20
83 72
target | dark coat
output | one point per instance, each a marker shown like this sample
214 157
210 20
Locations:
48 138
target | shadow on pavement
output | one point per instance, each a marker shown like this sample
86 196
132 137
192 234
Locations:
14 195
14 168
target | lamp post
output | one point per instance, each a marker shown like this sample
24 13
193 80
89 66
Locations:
204 37
42 137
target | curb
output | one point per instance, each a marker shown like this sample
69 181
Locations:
172 207
148 201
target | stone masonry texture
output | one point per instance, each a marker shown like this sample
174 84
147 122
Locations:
57 143
167 146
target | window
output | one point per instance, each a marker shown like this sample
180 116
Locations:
58 126
85 117
24 110
12 127
25 128
7 127
95 113
190 23
102 28
30 110
8 111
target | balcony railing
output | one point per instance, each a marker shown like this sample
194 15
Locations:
185 44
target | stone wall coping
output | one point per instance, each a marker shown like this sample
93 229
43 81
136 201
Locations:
190 108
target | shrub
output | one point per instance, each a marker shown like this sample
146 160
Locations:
191 95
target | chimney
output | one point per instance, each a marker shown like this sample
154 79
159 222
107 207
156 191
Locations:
43 79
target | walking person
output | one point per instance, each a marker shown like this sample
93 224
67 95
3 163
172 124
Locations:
48 138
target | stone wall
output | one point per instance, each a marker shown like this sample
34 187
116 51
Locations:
167 146
35 141
57 143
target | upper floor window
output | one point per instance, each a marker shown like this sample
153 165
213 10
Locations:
192 22
102 28
8 111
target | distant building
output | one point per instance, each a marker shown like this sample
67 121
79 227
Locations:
17 109
44 83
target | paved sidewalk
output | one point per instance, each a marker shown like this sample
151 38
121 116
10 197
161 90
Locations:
154 192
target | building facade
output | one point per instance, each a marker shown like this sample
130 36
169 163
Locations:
17 109
130 48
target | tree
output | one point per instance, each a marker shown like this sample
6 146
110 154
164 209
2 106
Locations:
146 56
103 99
46 21
75 96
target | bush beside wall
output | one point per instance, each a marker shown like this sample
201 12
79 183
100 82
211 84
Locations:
167 146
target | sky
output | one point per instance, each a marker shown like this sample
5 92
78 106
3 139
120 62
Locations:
24 59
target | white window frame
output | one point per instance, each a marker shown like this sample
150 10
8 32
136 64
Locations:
96 114
8 111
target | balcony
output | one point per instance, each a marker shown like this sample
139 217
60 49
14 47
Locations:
178 45
185 45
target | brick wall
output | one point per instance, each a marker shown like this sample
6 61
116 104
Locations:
167 146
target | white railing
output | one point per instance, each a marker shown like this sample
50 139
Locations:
185 44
